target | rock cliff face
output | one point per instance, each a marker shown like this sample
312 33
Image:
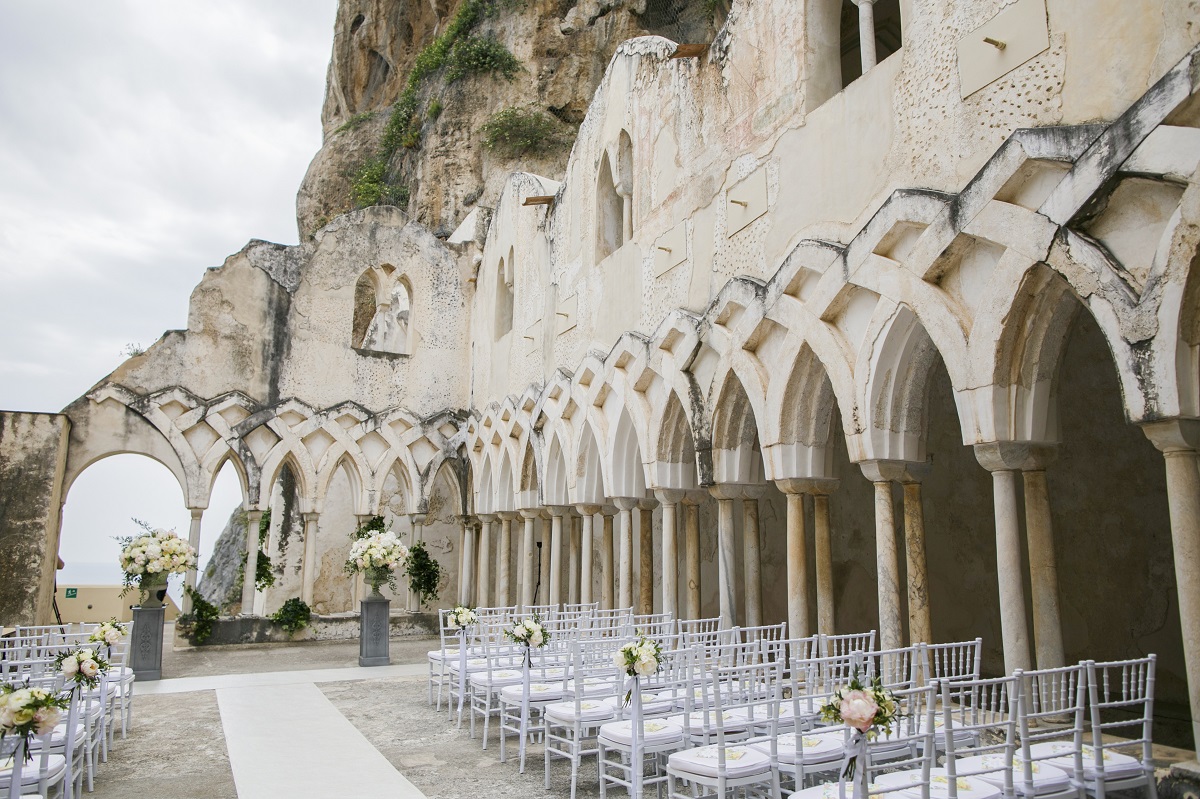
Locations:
219 582
442 170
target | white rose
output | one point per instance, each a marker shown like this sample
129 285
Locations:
619 657
44 720
645 666
535 638
70 666
89 668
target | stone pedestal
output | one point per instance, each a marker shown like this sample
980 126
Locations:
373 632
146 643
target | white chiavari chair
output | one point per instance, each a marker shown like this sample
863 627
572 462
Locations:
1050 721
590 695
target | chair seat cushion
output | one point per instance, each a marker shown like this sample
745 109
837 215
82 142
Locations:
1046 778
56 766
740 761
593 686
590 710
729 721
655 732
437 654
500 677
1116 765
816 747
473 665
939 785
538 692
59 735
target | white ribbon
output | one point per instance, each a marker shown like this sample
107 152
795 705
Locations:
524 704
462 670
856 750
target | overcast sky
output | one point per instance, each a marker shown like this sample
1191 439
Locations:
140 143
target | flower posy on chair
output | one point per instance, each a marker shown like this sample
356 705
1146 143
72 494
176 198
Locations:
463 617
866 710
82 667
25 712
109 633
530 632
640 658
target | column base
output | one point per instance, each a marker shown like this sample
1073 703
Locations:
146 643
374 632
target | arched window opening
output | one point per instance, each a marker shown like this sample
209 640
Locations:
625 183
882 19
382 312
610 213
504 299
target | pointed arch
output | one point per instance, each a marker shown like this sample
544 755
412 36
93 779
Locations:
628 475
736 449
589 474
676 454
554 490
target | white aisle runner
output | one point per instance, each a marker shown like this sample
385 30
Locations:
290 741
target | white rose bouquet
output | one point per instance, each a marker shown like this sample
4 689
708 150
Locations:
82 666
462 617
866 710
108 633
146 557
377 556
530 633
26 712
640 657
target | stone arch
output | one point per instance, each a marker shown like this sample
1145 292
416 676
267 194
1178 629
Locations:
610 211
505 494
627 477
554 490
676 447
806 417
239 469
486 500
530 483
589 473
736 441
383 302
503 311
305 482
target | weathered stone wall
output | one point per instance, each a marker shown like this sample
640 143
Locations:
33 455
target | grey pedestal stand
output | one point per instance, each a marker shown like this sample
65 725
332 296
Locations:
146 644
373 632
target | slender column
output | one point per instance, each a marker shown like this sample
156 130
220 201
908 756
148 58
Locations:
189 579
544 577
1178 441
726 590
670 499
691 529
418 534
751 555
1043 569
467 574
573 560
483 579
556 534
587 523
503 557
866 33
252 519
1004 460
797 560
606 558
528 578
646 556
823 554
887 566
920 625
625 506
309 579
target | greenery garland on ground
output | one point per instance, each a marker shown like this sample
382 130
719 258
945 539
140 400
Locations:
461 52
293 616
198 625
424 573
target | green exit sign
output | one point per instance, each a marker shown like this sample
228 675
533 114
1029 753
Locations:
72 593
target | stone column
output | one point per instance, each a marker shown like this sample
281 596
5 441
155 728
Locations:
418 534
726 558
866 33
544 578
528 578
1004 460
483 588
252 519
556 534
1178 441
751 554
691 530
189 579
1043 568
670 499
625 506
646 556
309 579
587 523
573 559
606 558
503 557
823 554
920 625
887 565
797 560
466 575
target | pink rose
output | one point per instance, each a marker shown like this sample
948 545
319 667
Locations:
858 710
45 719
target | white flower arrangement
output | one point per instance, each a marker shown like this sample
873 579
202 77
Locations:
26 712
640 657
530 633
109 633
156 552
378 556
462 617
82 666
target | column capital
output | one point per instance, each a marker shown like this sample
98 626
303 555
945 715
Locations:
609 510
418 518
532 513
885 471
724 491
647 503
626 503
1011 456
808 485
487 518
1173 435
310 516
467 520
670 496
695 496
558 511
864 2
587 510
196 512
